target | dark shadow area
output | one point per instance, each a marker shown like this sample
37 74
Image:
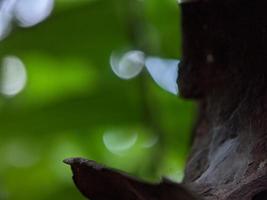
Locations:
261 196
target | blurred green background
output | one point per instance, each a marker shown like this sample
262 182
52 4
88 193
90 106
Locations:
74 105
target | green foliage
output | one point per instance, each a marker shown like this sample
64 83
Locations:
72 100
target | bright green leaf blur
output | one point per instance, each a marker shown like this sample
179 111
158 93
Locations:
74 105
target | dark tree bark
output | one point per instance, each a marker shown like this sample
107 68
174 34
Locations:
224 68
98 182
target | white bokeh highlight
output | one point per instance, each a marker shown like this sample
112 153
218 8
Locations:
13 76
118 142
6 17
31 12
164 72
129 65
5 26
152 141
26 13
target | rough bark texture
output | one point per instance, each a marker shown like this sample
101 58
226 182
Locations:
224 68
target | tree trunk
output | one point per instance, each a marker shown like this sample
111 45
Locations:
224 68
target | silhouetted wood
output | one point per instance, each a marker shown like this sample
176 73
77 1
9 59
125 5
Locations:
224 68
97 182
